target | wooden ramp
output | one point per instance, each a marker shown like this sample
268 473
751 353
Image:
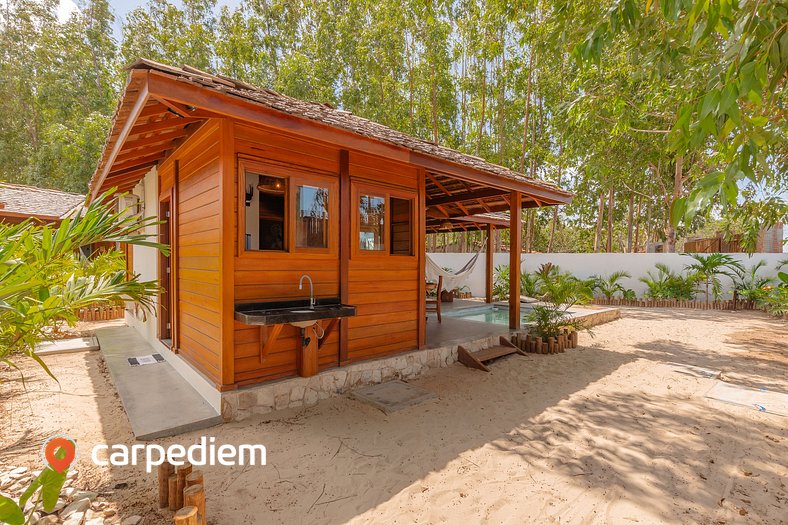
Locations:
477 359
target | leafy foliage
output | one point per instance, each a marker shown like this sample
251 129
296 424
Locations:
610 285
709 267
666 284
44 277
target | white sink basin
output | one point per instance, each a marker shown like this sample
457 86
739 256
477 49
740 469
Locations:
303 324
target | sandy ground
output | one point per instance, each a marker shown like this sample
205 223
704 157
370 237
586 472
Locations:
606 433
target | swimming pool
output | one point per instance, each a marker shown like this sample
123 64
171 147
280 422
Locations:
493 314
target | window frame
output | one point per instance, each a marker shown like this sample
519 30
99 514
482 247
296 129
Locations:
294 176
363 188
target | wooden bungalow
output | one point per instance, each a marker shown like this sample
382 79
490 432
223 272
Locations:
256 189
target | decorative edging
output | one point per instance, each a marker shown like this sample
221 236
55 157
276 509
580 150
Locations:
298 392
101 312
546 345
675 303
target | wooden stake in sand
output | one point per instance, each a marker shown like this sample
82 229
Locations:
194 478
172 492
194 496
186 516
181 472
165 471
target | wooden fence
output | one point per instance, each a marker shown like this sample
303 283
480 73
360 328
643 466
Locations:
729 304
103 312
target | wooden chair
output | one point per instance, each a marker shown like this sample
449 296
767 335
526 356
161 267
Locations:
434 305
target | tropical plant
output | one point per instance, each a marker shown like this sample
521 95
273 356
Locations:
666 284
749 285
710 267
530 284
501 283
559 292
629 294
608 286
44 279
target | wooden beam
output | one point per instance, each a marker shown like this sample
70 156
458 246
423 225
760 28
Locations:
421 251
227 221
489 268
152 150
466 196
462 172
345 245
156 139
161 125
438 184
139 105
140 161
130 176
515 252
483 220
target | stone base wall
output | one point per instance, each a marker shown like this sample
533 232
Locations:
238 405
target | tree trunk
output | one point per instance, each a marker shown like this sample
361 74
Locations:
678 183
502 100
599 216
434 105
630 226
637 228
482 117
610 220
527 111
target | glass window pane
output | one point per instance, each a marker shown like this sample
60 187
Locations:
372 218
265 212
401 237
311 217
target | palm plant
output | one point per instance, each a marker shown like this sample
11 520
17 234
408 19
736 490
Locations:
666 284
530 284
501 283
749 285
44 279
559 292
710 267
608 286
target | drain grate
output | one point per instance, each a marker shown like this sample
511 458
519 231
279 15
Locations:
145 360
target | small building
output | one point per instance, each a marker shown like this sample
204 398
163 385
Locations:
770 240
256 190
19 202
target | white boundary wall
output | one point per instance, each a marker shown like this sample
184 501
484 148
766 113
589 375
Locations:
584 265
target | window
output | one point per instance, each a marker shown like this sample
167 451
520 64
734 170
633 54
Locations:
265 212
311 217
372 219
401 226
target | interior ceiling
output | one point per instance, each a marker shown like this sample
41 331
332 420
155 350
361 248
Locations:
457 205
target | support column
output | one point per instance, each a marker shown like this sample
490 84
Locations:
489 268
344 249
515 252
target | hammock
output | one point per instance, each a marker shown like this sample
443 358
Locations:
451 280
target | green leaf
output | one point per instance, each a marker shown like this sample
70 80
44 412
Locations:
10 512
678 210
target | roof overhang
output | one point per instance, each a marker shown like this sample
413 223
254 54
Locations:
159 110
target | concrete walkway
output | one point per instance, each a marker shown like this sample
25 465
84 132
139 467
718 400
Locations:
158 401
67 346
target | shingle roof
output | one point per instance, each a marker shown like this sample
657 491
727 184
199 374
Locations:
37 202
338 118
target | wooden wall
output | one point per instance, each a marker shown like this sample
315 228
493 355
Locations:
383 287
267 276
197 266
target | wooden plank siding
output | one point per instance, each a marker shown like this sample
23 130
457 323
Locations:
198 265
384 288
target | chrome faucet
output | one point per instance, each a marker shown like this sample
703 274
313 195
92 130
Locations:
311 289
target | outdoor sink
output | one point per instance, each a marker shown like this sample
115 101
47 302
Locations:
296 313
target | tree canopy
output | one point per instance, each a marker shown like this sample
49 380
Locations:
644 109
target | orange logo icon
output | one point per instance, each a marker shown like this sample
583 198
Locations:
60 452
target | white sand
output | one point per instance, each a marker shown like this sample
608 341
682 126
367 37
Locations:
607 433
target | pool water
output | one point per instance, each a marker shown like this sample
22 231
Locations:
489 314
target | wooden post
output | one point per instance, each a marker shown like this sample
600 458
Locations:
345 244
165 471
181 472
194 478
172 492
515 251
551 345
489 268
194 496
186 516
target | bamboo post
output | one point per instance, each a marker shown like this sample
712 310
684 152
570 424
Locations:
528 345
194 478
551 345
186 516
181 472
574 339
194 496
172 492
165 471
